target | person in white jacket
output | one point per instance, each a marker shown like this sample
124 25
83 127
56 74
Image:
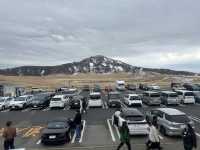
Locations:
153 138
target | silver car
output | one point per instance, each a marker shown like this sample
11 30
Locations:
151 98
170 121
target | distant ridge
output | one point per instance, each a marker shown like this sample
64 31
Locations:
96 64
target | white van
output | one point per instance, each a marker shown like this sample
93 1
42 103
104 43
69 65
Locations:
120 85
186 97
95 100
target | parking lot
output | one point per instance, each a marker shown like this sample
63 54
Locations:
98 131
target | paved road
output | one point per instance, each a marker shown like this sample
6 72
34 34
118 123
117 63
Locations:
98 133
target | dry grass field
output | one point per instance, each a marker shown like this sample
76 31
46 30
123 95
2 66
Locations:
54 81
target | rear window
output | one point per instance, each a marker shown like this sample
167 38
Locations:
95 97
177 118
134 118
155 95
56 99
134 98
114 96
189 94
173 95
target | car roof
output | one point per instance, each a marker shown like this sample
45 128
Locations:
58 96
114 92
131 112
169 92
131 94
95 93
120 81
171 111
183 91
151 92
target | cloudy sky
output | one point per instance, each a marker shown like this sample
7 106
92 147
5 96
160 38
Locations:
149 33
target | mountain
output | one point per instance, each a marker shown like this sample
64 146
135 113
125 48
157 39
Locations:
97 64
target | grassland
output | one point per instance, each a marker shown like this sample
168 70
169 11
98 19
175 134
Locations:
54 81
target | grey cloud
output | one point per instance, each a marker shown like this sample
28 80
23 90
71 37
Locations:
51 32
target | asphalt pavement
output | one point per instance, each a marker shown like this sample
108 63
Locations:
98 132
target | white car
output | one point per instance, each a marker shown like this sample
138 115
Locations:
20 102
120 85
95 100
59 101
136 121
132 99
185 97
4 102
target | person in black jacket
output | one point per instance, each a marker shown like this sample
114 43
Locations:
189 138
77 122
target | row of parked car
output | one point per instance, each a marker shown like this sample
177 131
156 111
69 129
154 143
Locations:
169 121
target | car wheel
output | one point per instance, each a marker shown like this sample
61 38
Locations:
3 107
24 106
67 137
163 131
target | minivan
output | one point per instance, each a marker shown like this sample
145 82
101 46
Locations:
185 97
169 98
151 98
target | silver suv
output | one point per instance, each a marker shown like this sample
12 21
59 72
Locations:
170 121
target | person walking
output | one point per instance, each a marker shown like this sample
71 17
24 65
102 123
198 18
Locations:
189 138
153 138
9 134
124 136
84 105
78 123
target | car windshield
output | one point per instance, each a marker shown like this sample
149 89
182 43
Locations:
155 95
134 98
173 95
56 99
134 118
189 94
69 92
114 96
20 99
95 97
178 118
1 100
56 125
120 84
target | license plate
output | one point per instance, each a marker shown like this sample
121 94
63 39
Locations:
76 103
52 137
35 106
13 106
113 104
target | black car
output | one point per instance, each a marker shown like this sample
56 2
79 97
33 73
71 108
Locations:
97 88
131 87
74 103
86 88
114 99
191 87
197 97
41 100
56 132
143 87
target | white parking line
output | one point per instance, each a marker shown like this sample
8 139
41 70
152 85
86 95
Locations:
117 130
38 142
106 105
82 132
198 134
111 131
73 138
